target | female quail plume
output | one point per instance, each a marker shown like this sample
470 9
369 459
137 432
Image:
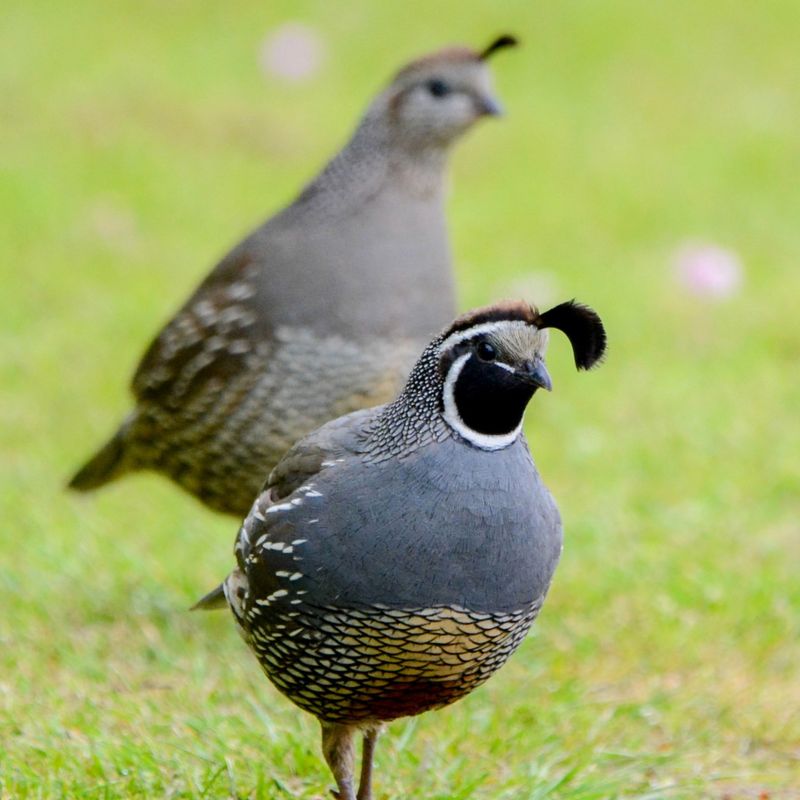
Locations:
320 310
397 556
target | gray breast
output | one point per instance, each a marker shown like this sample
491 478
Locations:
381 270
447 525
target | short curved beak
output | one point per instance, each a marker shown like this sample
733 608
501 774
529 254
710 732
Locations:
536 373
489 106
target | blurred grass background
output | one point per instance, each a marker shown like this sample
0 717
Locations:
138 140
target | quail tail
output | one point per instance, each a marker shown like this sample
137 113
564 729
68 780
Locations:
105 465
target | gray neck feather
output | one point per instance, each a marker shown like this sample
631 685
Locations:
414 419
377 156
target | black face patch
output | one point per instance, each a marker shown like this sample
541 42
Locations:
490 399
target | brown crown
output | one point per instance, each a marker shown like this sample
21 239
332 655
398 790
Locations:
457 54
507 310
448 55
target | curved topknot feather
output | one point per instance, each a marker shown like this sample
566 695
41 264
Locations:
582 326
500 43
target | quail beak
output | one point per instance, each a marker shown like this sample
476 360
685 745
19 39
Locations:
488 106
536 373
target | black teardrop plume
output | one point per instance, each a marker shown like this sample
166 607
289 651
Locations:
582 326
501 42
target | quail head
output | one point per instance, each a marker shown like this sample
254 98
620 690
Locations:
397 556
320 310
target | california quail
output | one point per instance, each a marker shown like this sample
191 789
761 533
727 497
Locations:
398 555
320 310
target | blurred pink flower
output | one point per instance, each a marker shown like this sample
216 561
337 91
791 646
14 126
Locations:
292 51
707 270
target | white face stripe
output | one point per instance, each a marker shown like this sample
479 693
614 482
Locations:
503 365
451 416
487 327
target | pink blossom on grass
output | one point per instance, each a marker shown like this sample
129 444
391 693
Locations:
708 270
292 51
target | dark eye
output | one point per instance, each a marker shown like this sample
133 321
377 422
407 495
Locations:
438 88
486 352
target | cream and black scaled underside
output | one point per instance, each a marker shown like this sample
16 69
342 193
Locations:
359 617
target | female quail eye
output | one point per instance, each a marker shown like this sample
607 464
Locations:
486 352
438 88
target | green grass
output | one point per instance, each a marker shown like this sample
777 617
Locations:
138 140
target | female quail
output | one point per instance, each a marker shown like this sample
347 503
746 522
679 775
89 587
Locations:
339 290
398 555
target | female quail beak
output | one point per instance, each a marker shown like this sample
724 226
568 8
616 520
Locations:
489 106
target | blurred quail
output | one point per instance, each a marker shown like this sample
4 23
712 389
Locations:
398 555
320 310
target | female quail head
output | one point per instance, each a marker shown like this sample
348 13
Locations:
339 289
434 100
398 555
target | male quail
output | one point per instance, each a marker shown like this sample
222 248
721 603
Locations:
398 555
320 310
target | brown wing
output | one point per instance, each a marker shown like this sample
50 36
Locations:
210 339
